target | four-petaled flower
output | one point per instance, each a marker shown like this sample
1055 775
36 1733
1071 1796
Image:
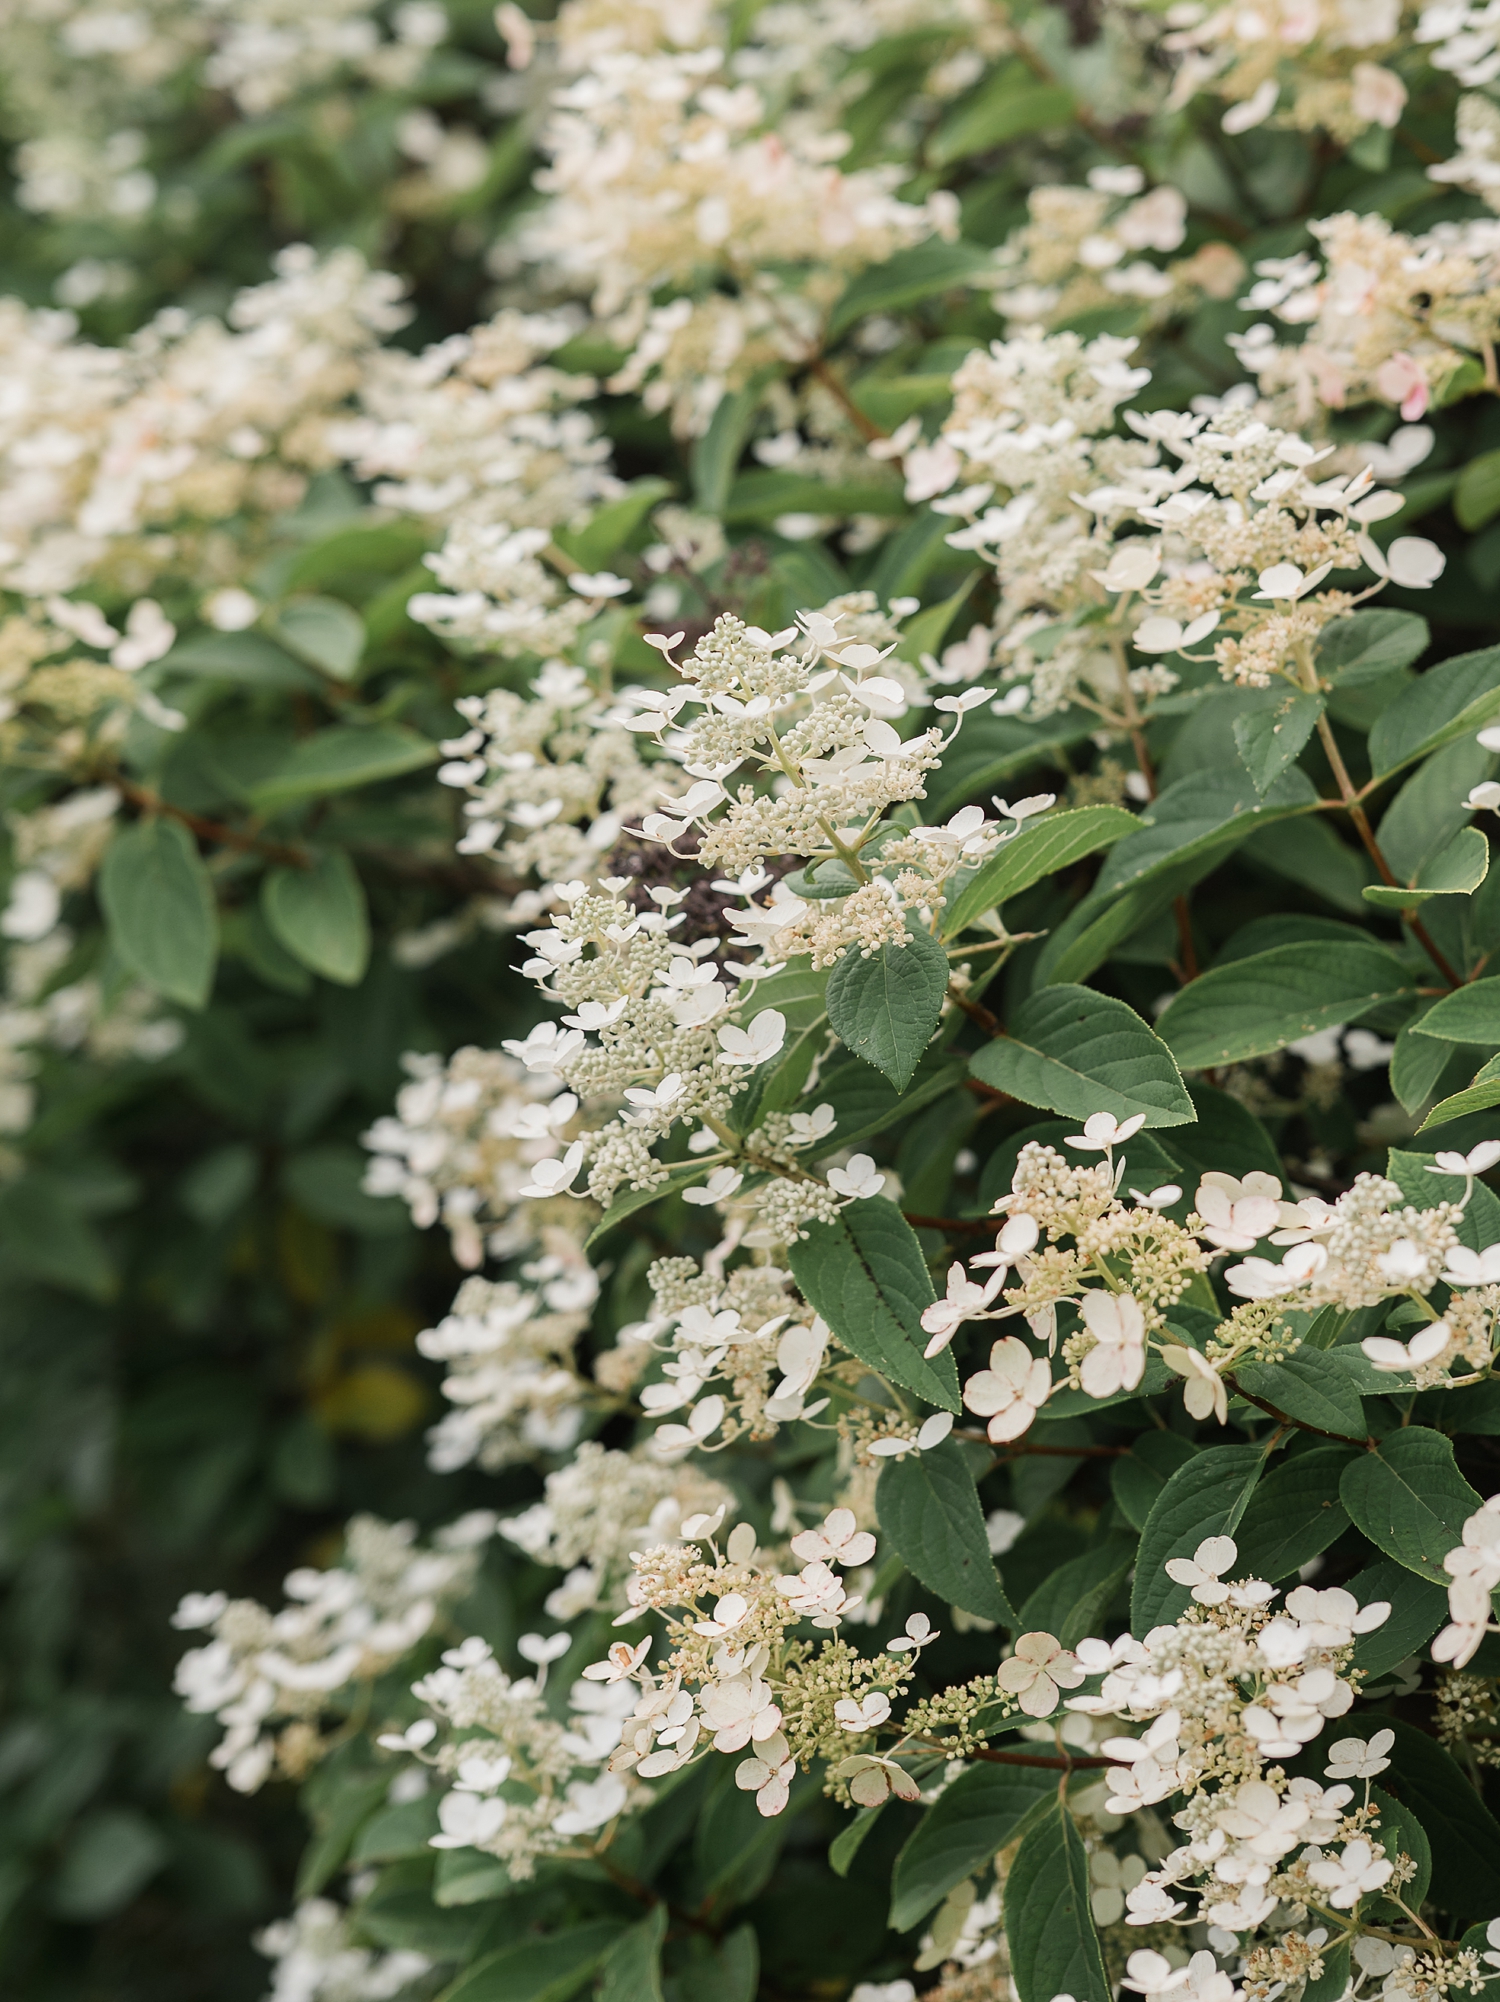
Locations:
1037 1672
1011 1391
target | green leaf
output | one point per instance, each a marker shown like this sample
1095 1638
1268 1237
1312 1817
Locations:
1471 1014
400 1913
1071 1602
1226 1136
681 1175
1040 850
403 1829
248 658
910 276
340 758
612 525
1186 832
1456 871
1464 1835
111 1855
1367 646
850 1839
865 1274
1445 703
320 916
1254 1006
325 633
992 749
763 495
469 1877
537 1970
981 1813
1333 1983
929 1508
1309 853
1409 1498
1417 1062
735 1846
865 1103
354 561
632 1971
1310 1386
1295 1513
717 453
1137 1478
1271 738
1476 498
1476 1097
1049 1925
1206 1496
1417 1611
1432 807
1401 1834
1077 1052
43 1236
1009 104
159 902
885 1008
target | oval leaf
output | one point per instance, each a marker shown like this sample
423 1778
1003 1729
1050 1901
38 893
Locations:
1206 1496
1077 1052
1040 850
159 902
320 916
983 1810
885 1007
929 1508
1254 1006
865 1274
1410 1499
1049 1926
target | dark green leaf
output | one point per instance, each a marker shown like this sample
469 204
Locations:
1137 1478
248 658
159 902
1368 645
538 1970
1455 871
1271 738
886 1007
1191 828
981 1813
325 633
717 453
610 526
340 758
632 1970
1309 1386
1049 1925
1447 702
1476 498
1254 1006
850 1839
1078 1052
910 276
929 1509
43 1235
1417 1611
320 916
1409 1498
1469 1015
1478 1096
1008 104
865 1274
1071 1602
1039 850
865 1103
1295 1514
1206 1496
1464 1835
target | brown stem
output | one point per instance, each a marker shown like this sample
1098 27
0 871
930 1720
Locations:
1283 1418
211 830
866 426
976 1012
1366 833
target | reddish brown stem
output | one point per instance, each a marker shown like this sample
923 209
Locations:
212 830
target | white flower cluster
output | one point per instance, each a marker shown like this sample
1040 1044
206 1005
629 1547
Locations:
1474 1568
317 1959
1389 317
348 1624
1228 1691
521 1785
1058 502
1304 63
